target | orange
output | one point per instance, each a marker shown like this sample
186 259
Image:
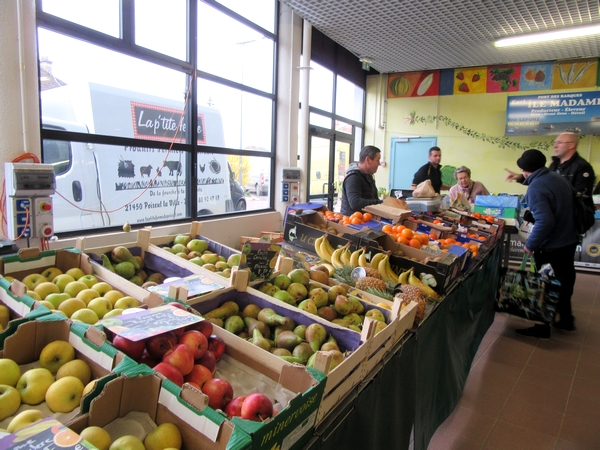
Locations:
473 248
367 217
432 235
404 240
356 221
474 254
387 229
424 238
477 215
358 214
416 243
407 233
337 215
398 238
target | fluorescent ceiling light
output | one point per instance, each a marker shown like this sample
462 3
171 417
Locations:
550 36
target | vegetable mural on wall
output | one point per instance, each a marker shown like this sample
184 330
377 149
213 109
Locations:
472 80
536 77
503 78
414 84
575 74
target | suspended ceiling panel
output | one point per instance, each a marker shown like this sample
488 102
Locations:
411 35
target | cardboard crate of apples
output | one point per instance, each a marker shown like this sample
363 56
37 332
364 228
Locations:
64 281
47 366
16 309
233 379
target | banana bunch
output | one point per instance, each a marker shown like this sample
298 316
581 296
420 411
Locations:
385 269
362 260
356 255
341 256
323 248
413 280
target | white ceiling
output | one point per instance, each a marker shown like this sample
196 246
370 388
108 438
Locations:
414 35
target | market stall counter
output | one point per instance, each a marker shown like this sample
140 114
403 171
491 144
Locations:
421 382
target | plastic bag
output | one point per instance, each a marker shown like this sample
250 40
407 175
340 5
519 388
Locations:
424 190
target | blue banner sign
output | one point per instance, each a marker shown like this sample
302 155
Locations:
546 114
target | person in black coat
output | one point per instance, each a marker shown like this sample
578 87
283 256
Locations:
359 189
431 171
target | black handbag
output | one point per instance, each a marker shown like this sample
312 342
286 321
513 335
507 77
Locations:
528 294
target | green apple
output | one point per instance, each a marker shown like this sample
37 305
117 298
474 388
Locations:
34 295
57 299
10 400
32 280
51 272
9 372
74 287
77 368
234 259
75 272
24 419
46 288
4 316
127 302
89 280
96 436
71 305
64 395
197 245
127 442
100 306
166 435
183 239
87 295
33 384
62 280
85 315
113 296
102 287
55 354
113 312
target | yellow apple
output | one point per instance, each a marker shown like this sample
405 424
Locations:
34 295
10 400
77 368
127 302
97 436
9 278
46 288
100 306
71 305
57 299
24 419
33 384
56 311
113 296
64 395
164 436
89 387
74 287
75 272
90 280
113 312
102 287
55 354
87 295
9 372
47 304
32 280
4 316
51 272
62 280
127 442
85 315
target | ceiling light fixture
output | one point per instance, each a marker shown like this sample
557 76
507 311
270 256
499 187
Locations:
549 36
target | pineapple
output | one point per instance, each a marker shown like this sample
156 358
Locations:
344 275
372 272
410 293
370 282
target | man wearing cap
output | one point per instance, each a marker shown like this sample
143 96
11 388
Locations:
554 238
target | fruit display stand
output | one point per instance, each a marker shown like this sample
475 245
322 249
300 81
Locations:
363 351
25 346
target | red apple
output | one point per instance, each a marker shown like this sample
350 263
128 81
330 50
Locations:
178 332
195 341
234 407
205 327
133 349
171 372
199 375
147 359
159 344
191 383
209 361
257 407
216 345
181 357
219 392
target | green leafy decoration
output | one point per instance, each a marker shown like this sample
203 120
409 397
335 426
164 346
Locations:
501 142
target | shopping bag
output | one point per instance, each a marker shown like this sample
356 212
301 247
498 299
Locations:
424 190
528 294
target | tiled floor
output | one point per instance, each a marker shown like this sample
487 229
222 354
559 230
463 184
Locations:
530 394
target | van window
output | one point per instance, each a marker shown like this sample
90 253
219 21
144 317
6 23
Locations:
57 153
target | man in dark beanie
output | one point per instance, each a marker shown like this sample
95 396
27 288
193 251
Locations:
554 238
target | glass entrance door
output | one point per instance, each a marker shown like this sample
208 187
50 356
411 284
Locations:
329 157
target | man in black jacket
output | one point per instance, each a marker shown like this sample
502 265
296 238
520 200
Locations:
359 189
567 163
431 171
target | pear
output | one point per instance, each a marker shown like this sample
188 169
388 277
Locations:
122 254
252 323
315 335
259 340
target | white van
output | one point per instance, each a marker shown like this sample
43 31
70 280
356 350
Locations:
101 185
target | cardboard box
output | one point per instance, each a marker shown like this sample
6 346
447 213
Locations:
302 235
25 345
389 209
269 237
502 212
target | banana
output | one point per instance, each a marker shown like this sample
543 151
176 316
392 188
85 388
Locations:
403 278
414 281
335 258
320 250
327 248
377 257
381 267
330 268
390 272
355 256
362 261
345 255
